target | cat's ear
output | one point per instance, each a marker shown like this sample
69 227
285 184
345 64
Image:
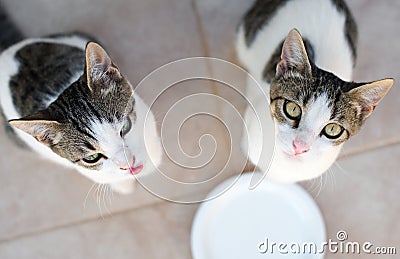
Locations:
99 66
294 56
45 131
369 95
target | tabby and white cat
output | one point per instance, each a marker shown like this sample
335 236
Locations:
307 80
70 103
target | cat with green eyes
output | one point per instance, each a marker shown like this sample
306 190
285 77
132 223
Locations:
302 53
64 98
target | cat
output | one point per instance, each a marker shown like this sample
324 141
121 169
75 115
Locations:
302 53
65 98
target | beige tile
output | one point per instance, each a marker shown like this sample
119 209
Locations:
195 152
148 34
154 232
362 201
361 198
140 35
378 55
219 20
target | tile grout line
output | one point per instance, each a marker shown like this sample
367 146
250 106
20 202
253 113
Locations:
210 69
204 43
382 144
77 222
88 220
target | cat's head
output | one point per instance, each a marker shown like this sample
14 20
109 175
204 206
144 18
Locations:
98 124
315 112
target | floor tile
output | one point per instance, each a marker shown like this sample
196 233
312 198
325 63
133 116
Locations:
219 20
140 35
362 200
360 196
146 35
153 232
195 153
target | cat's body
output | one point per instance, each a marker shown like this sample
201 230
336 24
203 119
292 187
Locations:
19 99
311 75
69 103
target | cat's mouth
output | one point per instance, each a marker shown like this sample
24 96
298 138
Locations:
293 155
135 169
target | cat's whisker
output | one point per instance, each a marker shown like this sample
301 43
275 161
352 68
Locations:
87 195
97 191
97 195
342 170
310 185
326 176
109 194
333 178
103 200
98 198
112 194
320 186
314 185
323 182
101 193
104 191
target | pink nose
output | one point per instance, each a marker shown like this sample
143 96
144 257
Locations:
300 147
127 165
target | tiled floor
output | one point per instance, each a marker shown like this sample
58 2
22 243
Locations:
42 212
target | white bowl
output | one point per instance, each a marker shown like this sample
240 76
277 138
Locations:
243 223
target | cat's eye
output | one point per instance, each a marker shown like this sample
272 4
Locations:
92 159
292 110
126 127
333 130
